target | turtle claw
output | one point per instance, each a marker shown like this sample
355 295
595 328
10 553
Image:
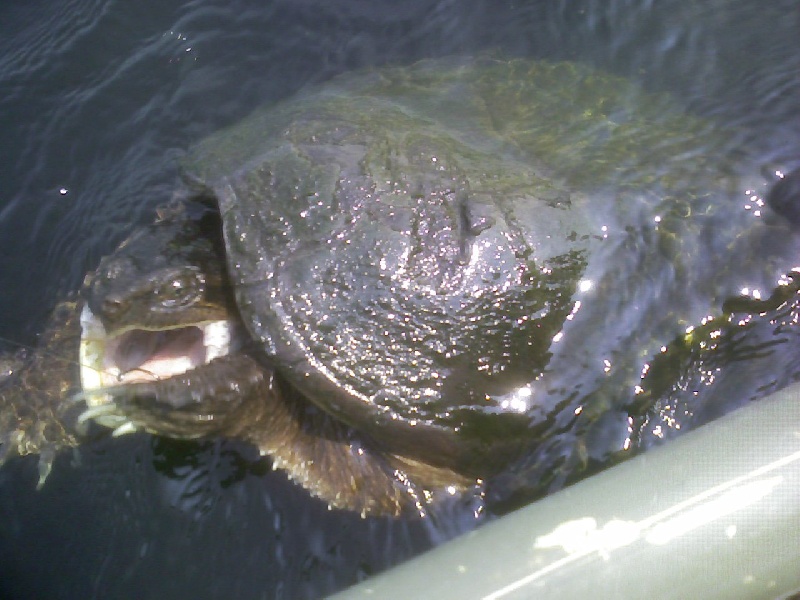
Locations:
125 428
21 443
46 458
96 413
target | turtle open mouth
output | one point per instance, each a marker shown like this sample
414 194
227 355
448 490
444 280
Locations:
140 355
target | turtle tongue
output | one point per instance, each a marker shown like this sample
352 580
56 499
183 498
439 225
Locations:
137 347
154 354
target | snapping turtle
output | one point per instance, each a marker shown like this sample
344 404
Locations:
431 271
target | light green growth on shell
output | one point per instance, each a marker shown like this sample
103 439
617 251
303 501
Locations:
588 127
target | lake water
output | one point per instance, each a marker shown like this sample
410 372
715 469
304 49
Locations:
98 100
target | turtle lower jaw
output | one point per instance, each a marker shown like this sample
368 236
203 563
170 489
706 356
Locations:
136 356
222 397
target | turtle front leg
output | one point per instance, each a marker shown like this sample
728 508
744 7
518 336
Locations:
335 462
239 398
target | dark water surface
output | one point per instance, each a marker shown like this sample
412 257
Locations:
98 100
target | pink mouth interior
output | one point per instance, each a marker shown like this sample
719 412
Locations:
141 355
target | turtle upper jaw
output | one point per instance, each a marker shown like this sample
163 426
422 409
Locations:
131 356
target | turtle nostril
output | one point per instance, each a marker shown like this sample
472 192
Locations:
112 306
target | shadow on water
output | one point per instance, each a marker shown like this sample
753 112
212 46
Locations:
99 99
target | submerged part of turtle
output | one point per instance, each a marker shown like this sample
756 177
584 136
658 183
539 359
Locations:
451 268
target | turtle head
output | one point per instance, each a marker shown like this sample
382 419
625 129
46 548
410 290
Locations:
166 275
157 313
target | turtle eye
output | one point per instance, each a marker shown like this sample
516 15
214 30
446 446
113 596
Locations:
181 290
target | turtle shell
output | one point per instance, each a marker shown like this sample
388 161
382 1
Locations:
422 249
